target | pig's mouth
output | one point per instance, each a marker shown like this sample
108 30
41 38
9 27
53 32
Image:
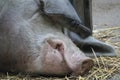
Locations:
76 64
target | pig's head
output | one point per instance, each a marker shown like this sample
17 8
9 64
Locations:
32 43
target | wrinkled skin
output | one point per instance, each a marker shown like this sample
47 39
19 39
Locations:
32 43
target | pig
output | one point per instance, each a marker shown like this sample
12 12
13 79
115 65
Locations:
32 43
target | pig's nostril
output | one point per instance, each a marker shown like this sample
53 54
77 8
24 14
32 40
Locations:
86 66
57 45
83 68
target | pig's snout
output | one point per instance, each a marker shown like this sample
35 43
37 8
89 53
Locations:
62 59
78 62
85 66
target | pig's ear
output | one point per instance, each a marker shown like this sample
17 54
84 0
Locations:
59 7
51 6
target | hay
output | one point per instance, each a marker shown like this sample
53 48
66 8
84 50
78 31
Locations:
110 36
109 66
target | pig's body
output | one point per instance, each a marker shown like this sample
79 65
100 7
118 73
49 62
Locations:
31 43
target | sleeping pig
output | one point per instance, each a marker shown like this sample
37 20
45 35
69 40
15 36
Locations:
32 43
